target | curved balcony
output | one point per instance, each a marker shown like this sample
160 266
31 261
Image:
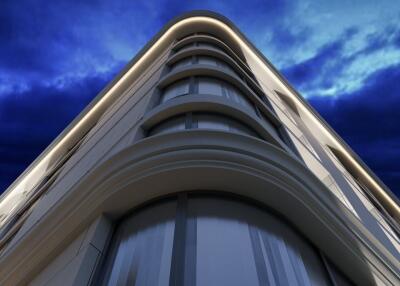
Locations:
216 105
212 41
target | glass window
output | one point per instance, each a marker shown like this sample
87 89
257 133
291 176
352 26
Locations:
238 244
237 127
171 124
235 95
186 46
174 90
221 122
211 86
226 67
182 63
207 45
142 249
215 86
211 121
221 239
207 241
210 45
201 121
206 60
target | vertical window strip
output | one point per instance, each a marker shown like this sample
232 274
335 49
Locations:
136 265
178 248
194 85
191 250
188 120
146 261
127 252
273 256
258 256
195 121
111 274
288 267
298 266
268 262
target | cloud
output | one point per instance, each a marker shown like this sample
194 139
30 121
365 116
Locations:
343 65
313 72
367 119
31 119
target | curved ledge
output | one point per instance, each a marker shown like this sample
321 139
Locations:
205 160
212 40
213 103
220 73
208 51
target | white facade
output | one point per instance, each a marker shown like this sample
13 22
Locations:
199 112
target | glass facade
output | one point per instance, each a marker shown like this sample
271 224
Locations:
206 240
207 86
142 250
182 63
203 60
200 120
200 44
176 89
207 45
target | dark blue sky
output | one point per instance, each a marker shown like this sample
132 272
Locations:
343 56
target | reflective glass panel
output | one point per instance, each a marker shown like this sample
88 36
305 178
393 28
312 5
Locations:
169 125
208 45
142 249
181 63
211 241
174 90
211 86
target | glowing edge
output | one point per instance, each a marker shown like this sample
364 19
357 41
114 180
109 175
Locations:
253 54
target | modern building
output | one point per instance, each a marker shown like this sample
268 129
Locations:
199 165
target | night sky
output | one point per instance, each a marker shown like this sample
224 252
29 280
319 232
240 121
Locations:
343 56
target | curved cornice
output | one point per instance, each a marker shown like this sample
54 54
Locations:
209 39
231 163
212 103
239 69
221 73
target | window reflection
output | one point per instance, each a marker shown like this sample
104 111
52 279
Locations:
170 125
142 250
207 86
182 63
212 121
206 241
207 45
204 60
176 89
